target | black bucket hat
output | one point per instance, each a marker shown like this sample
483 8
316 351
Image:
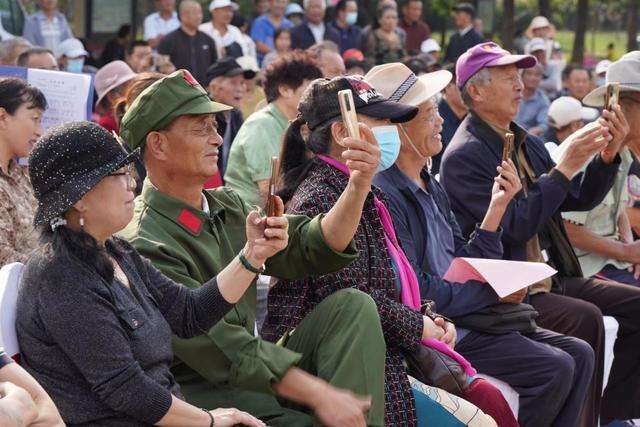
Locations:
68 161
319 102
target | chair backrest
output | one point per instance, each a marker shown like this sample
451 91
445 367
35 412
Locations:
9 280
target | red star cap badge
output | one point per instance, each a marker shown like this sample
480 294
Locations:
189 78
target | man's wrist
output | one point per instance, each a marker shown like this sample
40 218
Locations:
249 254
564 170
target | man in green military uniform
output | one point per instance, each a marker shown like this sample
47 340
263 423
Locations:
333 363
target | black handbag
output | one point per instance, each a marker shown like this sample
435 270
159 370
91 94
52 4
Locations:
501 318
436 369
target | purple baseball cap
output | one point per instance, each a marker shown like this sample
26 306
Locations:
488 54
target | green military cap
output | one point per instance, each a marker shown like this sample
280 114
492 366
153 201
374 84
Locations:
158 105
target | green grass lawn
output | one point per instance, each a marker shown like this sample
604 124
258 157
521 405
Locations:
595 44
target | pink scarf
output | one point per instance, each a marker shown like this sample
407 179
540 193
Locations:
409 287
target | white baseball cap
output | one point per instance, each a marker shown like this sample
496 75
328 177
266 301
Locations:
566 109
625 72
536 44
539 22
219 4
429 45
248 63
602 66
71 48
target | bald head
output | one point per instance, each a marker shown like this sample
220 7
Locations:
190 13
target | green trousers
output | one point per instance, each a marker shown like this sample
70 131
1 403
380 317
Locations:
341 342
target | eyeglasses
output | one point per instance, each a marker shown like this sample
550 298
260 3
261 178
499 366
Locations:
131 181
208 129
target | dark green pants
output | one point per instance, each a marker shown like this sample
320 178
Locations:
341 342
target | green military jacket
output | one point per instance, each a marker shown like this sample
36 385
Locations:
191 246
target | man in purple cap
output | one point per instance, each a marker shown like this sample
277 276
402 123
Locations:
532 225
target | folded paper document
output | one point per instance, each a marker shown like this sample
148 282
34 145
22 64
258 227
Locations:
505 277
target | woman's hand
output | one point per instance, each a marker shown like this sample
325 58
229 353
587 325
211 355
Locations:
266 236
449 338
362 157
507 184
228 417
431 329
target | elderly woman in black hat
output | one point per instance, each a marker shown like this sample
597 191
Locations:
95 319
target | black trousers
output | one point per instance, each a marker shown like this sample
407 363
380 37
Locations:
578 313
551 372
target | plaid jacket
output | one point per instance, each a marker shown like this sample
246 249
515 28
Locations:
372 273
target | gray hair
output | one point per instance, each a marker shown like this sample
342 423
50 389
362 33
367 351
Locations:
481 78
8 48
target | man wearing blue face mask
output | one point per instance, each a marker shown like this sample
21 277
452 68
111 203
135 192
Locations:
71 55
345 25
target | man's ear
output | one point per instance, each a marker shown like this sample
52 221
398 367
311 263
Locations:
285 91
475 92
157 146
4 119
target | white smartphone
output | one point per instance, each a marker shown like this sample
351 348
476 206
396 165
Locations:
348 110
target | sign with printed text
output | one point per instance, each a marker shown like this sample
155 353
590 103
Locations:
69 95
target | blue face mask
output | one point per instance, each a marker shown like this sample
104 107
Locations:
389 141
352 18
75 65
601 81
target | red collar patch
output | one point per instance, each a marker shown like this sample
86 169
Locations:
190 221
189 78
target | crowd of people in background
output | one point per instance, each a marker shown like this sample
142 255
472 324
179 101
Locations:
158 289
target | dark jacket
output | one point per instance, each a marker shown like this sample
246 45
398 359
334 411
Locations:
449 128
193 53
468 171
452 299
235 122
459 44
103 351
372 272
302 37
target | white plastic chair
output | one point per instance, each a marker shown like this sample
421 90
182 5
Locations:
9 280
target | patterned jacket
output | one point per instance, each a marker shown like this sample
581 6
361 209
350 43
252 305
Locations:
17 208
372 273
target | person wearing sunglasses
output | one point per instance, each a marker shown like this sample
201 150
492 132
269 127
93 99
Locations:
94 318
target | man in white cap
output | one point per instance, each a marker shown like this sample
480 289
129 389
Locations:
71 55
431 47
601 71
565 116
431 239
605 245
540 27
228 38
532 227
551 71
